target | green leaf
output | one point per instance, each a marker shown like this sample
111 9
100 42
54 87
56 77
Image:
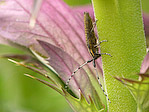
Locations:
80 105
120 23
140 90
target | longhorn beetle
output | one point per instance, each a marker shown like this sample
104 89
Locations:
92 45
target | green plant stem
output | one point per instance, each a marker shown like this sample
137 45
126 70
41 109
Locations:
120 23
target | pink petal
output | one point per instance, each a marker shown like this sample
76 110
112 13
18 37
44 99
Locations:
64 66
146 23
85 8
56 24
145 64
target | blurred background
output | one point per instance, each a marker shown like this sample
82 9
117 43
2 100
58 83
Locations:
19 93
